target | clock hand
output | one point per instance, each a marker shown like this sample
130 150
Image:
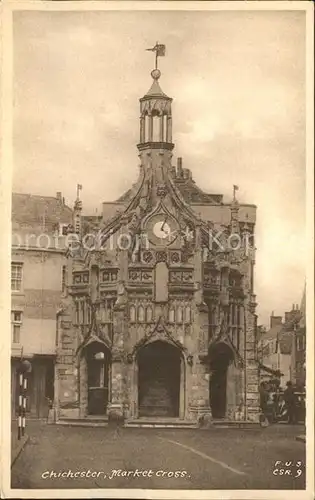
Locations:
163 223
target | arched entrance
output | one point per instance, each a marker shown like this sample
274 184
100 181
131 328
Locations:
159 369
220 357
98 365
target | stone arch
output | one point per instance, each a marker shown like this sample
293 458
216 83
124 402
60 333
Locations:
221 357
153 379
94 359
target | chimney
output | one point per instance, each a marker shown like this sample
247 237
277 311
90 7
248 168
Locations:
275 320
59 196
179 167
187 173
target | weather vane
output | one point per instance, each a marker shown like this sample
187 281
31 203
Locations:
159 50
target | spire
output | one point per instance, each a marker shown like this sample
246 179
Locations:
155 89
156 112
77 209
234 212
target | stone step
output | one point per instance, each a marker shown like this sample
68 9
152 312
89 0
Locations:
84 422
160 426
158 423
81 423
237 424
161 423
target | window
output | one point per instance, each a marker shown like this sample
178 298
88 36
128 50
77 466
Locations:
132 314
179 314
149 314
16 277
16 321
77 319
141 317
109 305
88 314
187 314
171 315
63 229
82 313
63 279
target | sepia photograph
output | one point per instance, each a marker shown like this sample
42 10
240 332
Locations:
160 310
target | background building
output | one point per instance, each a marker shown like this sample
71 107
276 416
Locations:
37 282
282 348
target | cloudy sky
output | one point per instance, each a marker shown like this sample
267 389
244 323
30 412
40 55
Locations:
237 79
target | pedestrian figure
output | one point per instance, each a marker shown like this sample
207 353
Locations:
290 402
263 398
116 421
263 393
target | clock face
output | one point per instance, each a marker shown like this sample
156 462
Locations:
162 229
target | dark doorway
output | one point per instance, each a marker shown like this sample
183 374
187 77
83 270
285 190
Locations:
98 367
159 380
40 386
220 356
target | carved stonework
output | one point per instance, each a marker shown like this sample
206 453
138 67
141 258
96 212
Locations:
109 275
140 276
129 358
161 190
80 278
175 257
147 257
117 355
190 359
161 256
181 276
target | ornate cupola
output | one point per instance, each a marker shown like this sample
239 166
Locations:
156 113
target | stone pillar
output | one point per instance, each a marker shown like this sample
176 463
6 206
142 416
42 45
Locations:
133 388
169 129
150 128
200 389
83 386
161 128
183 389
251 376
120 329
233 390
142 129
118 369
230 392
117 383
199 402
65 370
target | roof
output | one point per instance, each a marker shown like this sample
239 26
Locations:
156 91
188 189
267 369
193 194
272 333
35 211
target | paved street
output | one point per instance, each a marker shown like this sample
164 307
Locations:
150 458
